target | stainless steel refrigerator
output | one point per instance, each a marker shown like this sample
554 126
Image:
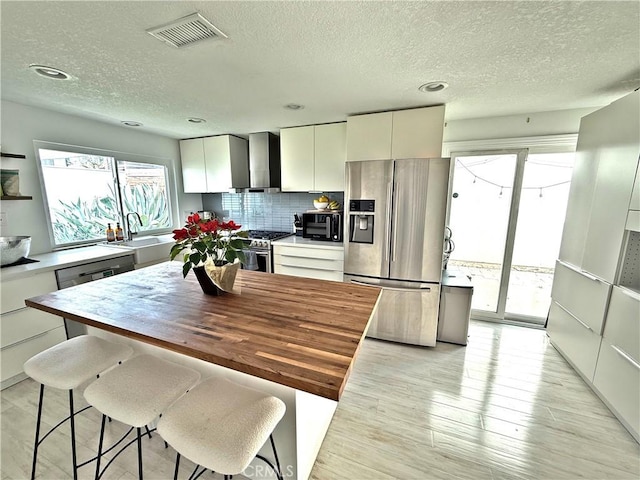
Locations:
394 235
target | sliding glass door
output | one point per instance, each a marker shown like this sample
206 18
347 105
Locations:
506 218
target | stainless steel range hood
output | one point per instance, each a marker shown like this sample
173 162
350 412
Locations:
264 163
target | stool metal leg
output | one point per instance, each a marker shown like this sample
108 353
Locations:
73 436
37 442
140 452
100 447
175 473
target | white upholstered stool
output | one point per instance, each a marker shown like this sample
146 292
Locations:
67 366
136 393
221 426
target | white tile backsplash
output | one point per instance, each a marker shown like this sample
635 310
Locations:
263 211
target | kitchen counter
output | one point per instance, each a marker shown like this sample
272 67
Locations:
278 328
307 242
295 339
68 258
62 259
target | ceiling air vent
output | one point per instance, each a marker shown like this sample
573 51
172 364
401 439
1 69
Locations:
186 30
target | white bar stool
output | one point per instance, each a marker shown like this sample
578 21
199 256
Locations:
221 426
66 366
136 393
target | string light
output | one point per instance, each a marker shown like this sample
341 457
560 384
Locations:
502 187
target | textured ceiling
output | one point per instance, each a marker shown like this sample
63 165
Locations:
335 58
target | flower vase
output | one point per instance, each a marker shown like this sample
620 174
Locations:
207 285
223 276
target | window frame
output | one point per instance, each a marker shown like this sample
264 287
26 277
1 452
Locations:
170 181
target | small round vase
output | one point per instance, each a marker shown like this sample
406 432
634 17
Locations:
207 285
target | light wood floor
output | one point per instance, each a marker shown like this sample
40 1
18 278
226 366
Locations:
506 406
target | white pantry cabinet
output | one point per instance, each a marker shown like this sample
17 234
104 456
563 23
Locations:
313 157
214 164
24 331
413 133
601 187
593 322
309 261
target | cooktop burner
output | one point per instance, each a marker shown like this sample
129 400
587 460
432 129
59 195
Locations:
267 234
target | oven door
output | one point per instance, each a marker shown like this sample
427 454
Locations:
264 261
257 260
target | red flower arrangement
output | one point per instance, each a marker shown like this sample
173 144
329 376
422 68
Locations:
208 240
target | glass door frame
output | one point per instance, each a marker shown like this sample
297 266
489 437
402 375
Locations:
521 158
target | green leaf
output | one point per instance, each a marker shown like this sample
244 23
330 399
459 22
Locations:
175 250
185 269
195 258
237 243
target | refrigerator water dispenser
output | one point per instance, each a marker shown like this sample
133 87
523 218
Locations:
361 218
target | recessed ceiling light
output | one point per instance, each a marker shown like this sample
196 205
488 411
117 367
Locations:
196 120
49 72
130 123
294 106
433 87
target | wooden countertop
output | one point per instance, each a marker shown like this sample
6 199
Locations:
294 331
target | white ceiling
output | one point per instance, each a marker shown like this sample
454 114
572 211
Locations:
335 58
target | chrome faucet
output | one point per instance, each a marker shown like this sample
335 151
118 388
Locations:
130 234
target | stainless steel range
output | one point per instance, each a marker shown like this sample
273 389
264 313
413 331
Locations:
258 252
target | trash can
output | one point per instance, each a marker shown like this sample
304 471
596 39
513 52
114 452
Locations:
455 307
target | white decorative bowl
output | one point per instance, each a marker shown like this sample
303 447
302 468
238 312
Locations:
320 205
13 249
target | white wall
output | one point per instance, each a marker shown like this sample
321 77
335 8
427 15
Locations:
530 125
21 125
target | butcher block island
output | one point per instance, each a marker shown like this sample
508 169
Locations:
295 338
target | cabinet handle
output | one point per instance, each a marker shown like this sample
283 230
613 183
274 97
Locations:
575 318
394 289
626 356
580 271
590 277
628 293
306 267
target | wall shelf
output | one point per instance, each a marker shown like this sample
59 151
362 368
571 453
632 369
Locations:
12 155
16 197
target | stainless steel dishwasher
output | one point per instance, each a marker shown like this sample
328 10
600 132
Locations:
89 272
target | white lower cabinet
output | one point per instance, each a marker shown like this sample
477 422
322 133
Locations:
308 261
617 376
575 340
24 331
581 294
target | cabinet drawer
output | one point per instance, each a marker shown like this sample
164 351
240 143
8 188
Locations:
333 275
618 381
574 340
27 322
306 262
15 291
622 327
309 252
13 357
584 296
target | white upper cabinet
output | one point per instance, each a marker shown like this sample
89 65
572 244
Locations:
330 154
417 133
193 171
296 159
413 133
369 136
312 158
214 164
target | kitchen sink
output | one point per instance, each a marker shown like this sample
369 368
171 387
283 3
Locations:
146 249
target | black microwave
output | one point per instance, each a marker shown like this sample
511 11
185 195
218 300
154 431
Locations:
322 226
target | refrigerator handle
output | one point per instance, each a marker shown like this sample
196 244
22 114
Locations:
395 225
387 231
395 289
